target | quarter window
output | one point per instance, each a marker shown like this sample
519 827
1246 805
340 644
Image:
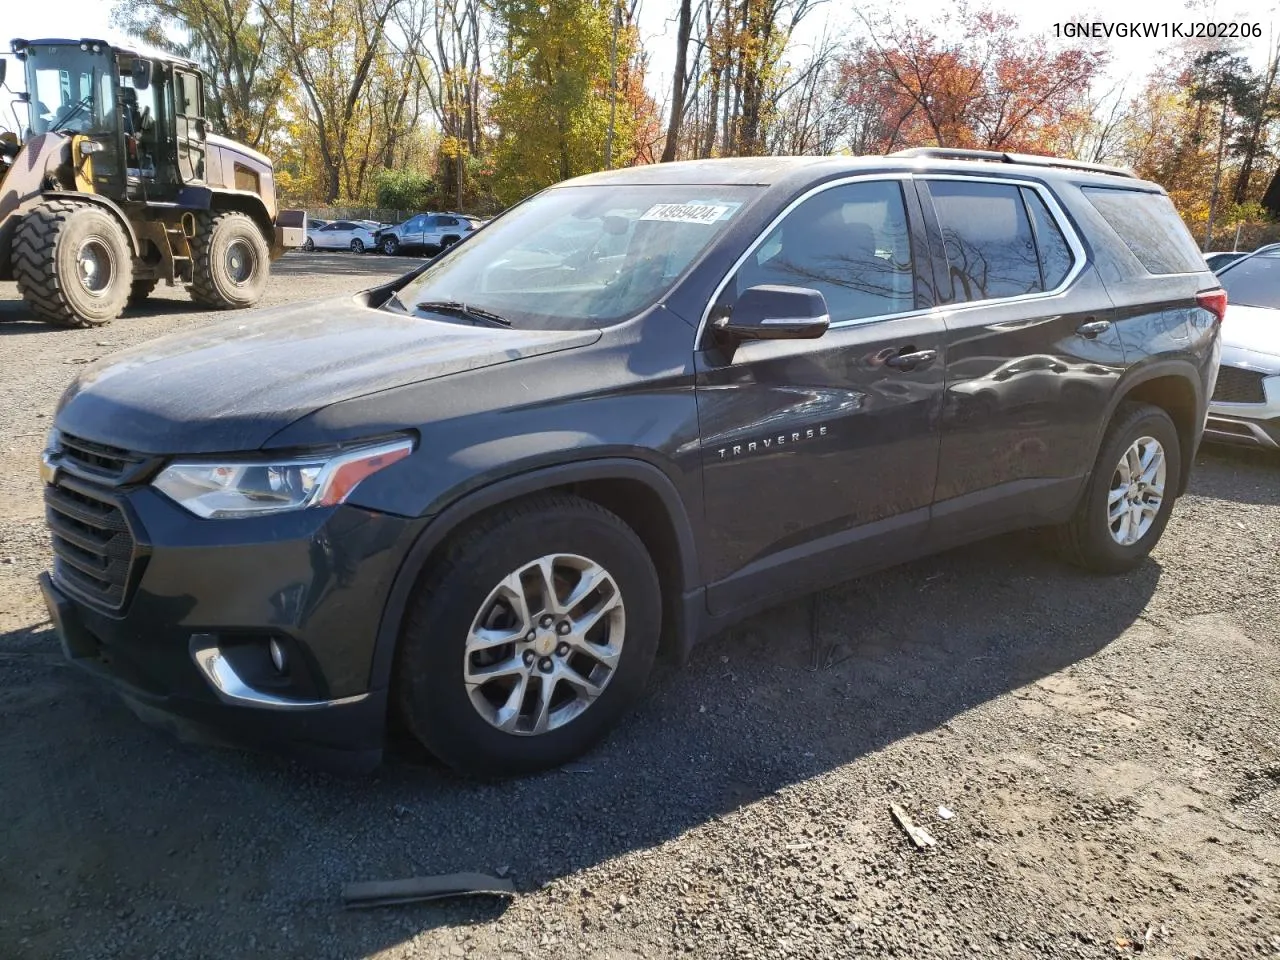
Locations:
990 249
1150 227
850 243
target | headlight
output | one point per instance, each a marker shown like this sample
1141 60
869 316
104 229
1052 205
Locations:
249 488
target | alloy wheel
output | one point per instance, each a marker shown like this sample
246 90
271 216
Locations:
545 644
1137 491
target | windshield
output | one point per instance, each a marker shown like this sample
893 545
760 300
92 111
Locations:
575 257
1254 281
71 89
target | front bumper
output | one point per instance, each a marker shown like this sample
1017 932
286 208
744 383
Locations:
1248 424
190 644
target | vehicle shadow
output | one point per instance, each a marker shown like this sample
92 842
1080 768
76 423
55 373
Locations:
756 710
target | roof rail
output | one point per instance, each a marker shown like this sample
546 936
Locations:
998 156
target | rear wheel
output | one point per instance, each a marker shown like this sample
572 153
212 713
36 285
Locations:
73 263
390 246
527 640
141 290
357 245
1130 494
230 261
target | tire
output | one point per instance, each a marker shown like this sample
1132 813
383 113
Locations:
308 245
52 276
357 245
1087 539
141 290
432 695
230 261
447 242
390 246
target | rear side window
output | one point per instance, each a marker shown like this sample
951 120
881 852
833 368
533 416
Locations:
991 251
1150 227
1055 255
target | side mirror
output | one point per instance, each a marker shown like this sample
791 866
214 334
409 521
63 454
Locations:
3 64
142 73
776 313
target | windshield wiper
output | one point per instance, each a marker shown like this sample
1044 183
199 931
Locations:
458 308
72 113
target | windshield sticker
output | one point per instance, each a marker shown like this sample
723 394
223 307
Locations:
686 212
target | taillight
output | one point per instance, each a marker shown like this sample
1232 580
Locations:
1215 301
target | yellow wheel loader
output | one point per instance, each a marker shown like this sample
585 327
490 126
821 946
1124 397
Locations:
115 184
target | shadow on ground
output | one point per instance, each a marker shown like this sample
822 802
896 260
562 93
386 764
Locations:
119 816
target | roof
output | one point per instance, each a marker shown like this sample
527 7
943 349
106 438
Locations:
128 45
767 171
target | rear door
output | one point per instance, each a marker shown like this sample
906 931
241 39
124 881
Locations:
820 456
1032 355
189 125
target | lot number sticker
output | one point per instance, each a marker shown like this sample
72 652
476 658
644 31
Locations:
686 212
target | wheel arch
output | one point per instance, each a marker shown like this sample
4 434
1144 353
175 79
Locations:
637 491
1175 387
105 203
244 202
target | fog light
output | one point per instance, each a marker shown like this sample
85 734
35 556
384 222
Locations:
277 655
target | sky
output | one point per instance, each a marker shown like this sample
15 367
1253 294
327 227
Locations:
1131 60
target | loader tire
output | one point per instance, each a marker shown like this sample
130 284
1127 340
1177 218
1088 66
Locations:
230 261
73 263
141 291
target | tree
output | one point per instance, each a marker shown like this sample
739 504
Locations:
332 47
972 79
551 98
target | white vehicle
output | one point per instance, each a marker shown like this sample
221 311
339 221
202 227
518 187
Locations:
350 235
1245 408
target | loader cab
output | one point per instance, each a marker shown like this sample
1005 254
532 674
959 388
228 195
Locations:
138 118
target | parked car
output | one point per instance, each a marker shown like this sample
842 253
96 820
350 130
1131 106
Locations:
1246 401
486 495
352 235
1220 258
426 231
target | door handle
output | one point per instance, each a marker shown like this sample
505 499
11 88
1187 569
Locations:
909 361
1094 327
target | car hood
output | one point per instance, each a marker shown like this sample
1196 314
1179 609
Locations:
233 385
1252 328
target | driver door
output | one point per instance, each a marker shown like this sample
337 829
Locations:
189 125
834 441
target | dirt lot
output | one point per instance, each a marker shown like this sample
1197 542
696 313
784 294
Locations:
1110 749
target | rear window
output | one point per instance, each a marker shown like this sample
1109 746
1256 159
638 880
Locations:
1150 227
991 251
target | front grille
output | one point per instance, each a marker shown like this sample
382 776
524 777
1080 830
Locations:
93 546
98 460
1239 386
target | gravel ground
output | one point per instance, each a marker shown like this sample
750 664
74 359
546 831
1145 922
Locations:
1110 749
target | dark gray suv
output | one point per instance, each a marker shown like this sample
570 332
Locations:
485 496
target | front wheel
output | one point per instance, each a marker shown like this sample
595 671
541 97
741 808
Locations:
73 263
308 245
357 245
1130 493
229 261
529 637
390 246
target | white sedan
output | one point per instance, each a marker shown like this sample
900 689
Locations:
340 235
1245 408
